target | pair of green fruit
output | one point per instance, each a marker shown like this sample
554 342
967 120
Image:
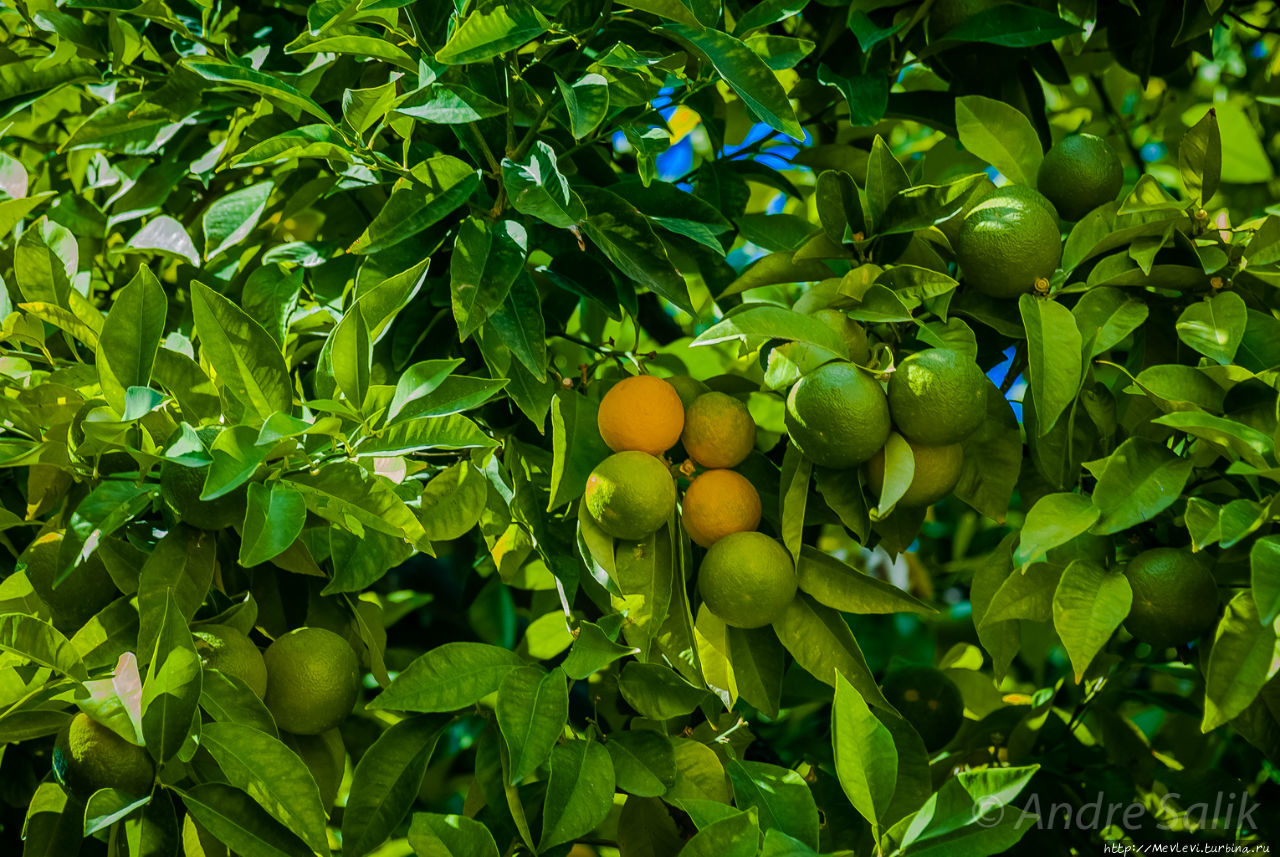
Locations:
839 417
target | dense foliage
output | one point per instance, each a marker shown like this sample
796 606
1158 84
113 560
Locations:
307 312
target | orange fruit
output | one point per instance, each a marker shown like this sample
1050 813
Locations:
718 431
719 502
641 413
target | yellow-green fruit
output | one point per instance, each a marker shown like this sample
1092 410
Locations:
747 579
76 599
1175 597
837 415
1027 194
326 758
181 486
630 494
1080 173
937 470
1006 244
313 679
228 650
198 842
88 756
718 431
937 397
853 334
687 388
929 701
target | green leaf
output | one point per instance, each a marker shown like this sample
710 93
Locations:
885 179
1054 520
226 698
672 10
1215 327
536 187
107 806
1024 595
576 446
40 270
272 775
363 108
586 101
450 836
735 836
492 29
532 710
231 218
518 322
1012 25
448 677
579 792
922 206
308 141
386 782
344 493
626 237
418 381
181 565
658 692
130 337
838 585
644 762
1137 481
1001 135
866 94
453 501
1200 158
592 651
865 755
171 692
273 520
1105 317
780 796
35 640
746 73
453 395
967 816
485 261
1264 568
1243 659
992 459
439 185
249 364
448 104
1053 357
351 354
259 83
821 642
1089 604
756 324
236 820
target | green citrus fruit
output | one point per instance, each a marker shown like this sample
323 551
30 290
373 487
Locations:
88 756
1175 597
687 388
198 842
937 397
853 334
181 486
718 431
326 758
717 503
837 415
313 679
1006 244
929 701
1080 173
74 601
747 579
630 494
937 470
228 650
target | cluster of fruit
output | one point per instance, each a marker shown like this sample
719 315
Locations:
839 416
308 679
746 578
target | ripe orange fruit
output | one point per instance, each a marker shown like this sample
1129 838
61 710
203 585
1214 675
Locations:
641 413
718 431
719 502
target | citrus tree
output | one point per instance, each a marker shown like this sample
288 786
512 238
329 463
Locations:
637 428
